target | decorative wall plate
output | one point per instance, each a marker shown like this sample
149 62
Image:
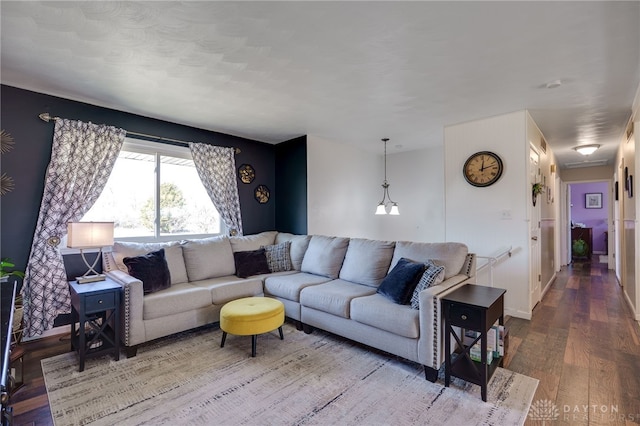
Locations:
246 173
262 194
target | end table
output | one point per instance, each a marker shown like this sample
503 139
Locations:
95 307
477 308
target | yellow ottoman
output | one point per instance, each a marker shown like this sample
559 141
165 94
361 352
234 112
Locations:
251 316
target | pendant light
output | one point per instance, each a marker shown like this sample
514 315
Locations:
386 198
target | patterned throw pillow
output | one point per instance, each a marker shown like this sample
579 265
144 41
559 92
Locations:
279 257
433 275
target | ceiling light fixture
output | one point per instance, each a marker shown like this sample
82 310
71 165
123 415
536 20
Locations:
382 207
587 149
553 84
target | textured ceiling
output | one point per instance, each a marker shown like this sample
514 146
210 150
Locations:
351 72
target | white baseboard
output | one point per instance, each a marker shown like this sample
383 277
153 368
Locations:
56 331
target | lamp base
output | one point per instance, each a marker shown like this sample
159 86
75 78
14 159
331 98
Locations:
90 278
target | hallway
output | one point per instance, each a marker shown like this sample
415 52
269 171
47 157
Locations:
584 346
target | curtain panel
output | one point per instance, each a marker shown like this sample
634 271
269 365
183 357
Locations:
216 167
82 159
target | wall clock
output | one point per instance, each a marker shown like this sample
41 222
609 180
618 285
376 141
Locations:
483 168
262 194
246 173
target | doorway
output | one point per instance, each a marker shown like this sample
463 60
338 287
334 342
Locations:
590 219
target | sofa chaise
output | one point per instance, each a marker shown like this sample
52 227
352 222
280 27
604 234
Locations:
331 283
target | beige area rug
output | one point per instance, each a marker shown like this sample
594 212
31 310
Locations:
187 379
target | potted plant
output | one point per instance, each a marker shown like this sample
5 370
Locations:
6 270
536 189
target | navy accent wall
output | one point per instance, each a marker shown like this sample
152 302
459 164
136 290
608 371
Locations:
291 186
28 161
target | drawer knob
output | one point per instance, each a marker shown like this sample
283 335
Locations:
464 317
100 301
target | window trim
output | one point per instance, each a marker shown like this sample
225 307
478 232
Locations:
158 149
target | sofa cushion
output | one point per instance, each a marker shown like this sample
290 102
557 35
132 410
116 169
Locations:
324 256
289 286
398 286
172 254
380 312
249 263
432 275
225 289
151 269
252 242
208 258
367 261
334 297
451 255
279 256
299 244
174 300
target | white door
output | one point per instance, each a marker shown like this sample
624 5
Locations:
534 231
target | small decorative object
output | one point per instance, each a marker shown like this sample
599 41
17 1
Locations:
483 168
6 184
6 145
382 206
536 189
246 173
593 200
262 194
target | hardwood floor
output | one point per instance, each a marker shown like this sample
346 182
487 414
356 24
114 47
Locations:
582 344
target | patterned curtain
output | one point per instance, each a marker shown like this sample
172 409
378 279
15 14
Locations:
82 158
217 169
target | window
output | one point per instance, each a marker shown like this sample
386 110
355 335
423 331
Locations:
154 193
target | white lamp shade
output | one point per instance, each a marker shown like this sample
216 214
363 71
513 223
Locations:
89 234
381 209
394 209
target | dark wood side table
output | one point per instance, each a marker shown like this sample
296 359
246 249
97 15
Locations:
477 308
96 308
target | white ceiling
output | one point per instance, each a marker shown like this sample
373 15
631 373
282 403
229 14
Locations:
351 72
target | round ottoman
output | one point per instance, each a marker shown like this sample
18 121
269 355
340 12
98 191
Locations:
251 316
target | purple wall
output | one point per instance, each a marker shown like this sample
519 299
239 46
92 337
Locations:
593 218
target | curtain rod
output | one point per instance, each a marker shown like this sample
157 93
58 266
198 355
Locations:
45 116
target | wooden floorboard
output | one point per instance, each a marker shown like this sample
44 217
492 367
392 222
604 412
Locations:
582 344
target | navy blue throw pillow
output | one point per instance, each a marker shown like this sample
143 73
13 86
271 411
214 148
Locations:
151 269
250 263
399 284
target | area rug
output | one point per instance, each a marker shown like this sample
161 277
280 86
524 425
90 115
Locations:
187 379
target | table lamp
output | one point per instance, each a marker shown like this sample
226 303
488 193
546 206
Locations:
85 235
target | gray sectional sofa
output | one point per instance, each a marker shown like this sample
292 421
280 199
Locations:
329 283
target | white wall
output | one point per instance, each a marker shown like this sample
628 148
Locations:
344 188
475 215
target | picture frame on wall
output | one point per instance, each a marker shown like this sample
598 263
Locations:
593 200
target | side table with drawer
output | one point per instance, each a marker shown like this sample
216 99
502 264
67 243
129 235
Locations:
477 308
95 307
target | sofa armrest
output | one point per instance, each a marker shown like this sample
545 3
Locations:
132 325
469 267
431 345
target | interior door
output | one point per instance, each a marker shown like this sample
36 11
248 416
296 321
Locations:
534 232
